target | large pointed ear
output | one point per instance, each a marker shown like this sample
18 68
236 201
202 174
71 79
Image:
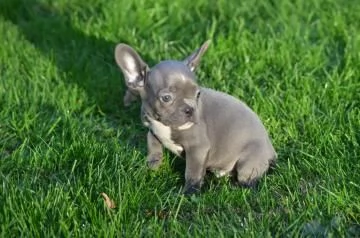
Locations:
132 66
194 59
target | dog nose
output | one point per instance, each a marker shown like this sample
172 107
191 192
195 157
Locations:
189 111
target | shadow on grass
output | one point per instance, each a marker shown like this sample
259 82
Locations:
82 59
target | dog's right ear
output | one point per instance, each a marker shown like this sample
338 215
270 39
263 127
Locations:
132 66
193 60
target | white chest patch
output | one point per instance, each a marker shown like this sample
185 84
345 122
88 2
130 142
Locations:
164 135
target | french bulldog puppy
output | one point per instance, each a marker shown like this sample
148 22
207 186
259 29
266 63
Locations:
210 129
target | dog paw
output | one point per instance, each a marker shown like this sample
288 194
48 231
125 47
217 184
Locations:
252 184
193 188
154 161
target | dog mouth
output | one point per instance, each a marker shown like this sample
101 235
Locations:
182 124
186 126
175 123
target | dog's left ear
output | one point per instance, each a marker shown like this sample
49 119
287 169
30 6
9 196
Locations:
194 59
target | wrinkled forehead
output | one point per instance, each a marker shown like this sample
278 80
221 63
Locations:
172 74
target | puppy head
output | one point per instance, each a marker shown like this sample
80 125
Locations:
168 91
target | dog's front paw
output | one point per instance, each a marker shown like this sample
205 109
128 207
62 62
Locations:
154 161
192 188
252 184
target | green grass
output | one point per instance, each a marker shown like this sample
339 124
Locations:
65 136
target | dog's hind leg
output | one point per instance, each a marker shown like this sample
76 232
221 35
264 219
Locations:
253 164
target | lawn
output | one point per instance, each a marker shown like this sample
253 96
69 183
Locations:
65 136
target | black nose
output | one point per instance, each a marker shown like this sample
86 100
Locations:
189 111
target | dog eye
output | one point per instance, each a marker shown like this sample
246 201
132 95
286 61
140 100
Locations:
166 98
197 94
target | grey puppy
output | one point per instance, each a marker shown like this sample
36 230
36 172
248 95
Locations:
212 130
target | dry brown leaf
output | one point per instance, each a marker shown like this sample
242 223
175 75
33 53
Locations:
109 203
